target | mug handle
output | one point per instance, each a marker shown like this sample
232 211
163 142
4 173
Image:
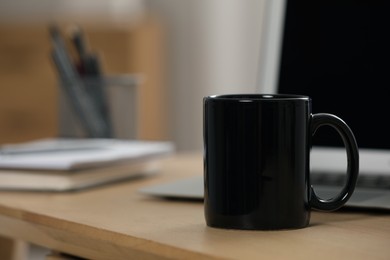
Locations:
321 119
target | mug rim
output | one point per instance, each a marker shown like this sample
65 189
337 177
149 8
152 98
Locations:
253 97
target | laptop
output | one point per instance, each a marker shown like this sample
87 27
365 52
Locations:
336 52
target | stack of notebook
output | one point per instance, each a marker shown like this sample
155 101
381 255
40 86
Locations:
62 164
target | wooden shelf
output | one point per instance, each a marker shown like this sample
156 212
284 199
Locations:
29 93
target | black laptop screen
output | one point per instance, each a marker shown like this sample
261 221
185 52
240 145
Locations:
338 52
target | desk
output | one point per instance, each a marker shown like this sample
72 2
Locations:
117 222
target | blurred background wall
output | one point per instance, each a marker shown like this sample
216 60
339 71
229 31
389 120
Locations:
185 49
213 49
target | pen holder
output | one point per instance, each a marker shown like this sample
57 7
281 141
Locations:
119 95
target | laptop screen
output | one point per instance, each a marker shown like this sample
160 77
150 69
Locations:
338 53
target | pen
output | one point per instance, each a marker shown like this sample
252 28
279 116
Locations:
90 69
75 89
80 45
96 87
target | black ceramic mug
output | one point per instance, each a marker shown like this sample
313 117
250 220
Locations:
257 161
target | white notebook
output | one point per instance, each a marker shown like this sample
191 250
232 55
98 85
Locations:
61 164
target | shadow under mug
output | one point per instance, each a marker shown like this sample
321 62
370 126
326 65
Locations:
257 161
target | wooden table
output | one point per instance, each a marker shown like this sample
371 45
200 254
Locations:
117 222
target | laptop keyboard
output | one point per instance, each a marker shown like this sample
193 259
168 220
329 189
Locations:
364 181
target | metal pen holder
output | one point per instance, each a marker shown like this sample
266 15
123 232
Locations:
121 95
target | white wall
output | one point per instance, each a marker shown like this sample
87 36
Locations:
213 49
